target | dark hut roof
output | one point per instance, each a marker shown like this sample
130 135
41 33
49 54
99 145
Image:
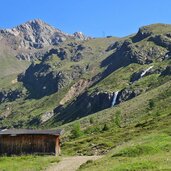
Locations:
29 132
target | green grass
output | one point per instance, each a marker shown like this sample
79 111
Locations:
158 28
121 78
147 152
118 79
26 163
149 145
9 65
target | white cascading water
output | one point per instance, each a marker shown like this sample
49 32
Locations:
114 98
144 72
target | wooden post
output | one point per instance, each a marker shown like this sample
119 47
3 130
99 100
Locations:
57 147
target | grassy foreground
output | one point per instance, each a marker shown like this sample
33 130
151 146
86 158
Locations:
151 152
26 163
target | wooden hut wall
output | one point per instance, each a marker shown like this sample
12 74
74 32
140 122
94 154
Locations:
27 144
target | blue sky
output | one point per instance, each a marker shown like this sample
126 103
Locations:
93 17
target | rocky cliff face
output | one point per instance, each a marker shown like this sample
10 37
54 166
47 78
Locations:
149 45
75 90
42 80
84 104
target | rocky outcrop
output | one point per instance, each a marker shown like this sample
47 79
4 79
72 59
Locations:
167 55
46 116
99 101
80 36
5 113
77 57
161 40
135 76
127 94
80 47
138 75
125 54
9 95
75 90
24 56
59 52
143 33
167 71
40 80
84 104
143 48
114 45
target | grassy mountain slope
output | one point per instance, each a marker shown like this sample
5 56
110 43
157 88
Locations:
27 112
103 66
10 66
133 113
140 142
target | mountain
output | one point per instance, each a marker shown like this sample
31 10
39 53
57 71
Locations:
116 89
78 71
27 42
36 34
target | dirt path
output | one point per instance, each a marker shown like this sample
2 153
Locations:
71 163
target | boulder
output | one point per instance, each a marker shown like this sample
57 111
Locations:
127 94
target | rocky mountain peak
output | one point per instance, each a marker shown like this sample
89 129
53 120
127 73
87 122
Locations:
35 25
38 34
80 36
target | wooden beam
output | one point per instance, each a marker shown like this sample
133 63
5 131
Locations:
57 147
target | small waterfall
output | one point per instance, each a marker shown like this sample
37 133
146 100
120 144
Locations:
144 72
114 98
